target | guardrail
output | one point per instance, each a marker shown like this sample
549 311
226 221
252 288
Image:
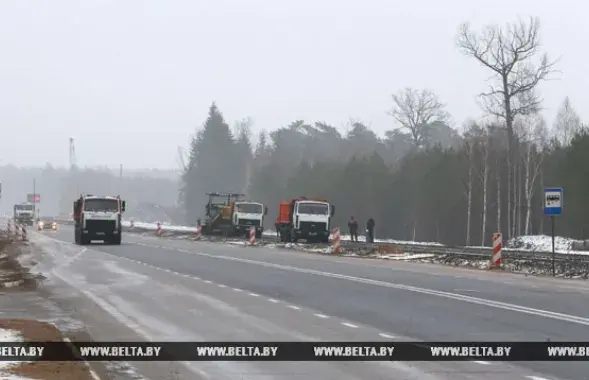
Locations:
396 247
514 260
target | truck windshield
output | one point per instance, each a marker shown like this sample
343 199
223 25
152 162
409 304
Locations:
313 208
110 205
24 208
250 208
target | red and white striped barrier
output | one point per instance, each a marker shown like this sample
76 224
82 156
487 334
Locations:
335 240
158 230
497 247
17 230
24 232
252 239
198 233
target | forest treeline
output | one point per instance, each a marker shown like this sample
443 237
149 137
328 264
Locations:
423 180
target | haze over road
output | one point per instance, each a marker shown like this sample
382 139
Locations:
180 290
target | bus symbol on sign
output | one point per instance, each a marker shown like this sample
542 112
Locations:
553 201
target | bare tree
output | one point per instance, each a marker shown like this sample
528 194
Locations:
498 183
567 122
469 150
510 53
479 139
533 137
415 110
484 148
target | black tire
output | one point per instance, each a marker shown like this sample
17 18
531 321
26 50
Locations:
84 240
293 235
116 240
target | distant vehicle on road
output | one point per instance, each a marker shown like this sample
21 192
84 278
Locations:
24 213
47 223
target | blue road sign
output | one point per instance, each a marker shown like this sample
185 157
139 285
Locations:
553 197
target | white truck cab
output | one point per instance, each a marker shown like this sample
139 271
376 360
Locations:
24 213
247 215
303 218
98 218
312 219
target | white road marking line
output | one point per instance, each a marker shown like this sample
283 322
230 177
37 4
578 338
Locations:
536 378
321 316
221 286
386 336
349 325
481 362
237 290
254 295
208 282
294 307
391 285
93 374
273 300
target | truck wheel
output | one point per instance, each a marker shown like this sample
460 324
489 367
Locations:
116 240
258 234
293 235
84 240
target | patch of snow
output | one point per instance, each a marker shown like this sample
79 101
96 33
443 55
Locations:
407 256
543 243
539 243
10 336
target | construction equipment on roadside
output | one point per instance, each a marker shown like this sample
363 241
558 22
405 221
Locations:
227 214
304 218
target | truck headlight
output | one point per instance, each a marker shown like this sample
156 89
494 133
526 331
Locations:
41 224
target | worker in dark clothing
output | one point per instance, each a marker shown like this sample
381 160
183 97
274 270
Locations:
370 230
353 226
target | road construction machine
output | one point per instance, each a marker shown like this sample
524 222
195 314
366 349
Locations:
304 218
98 218
227 214
24 213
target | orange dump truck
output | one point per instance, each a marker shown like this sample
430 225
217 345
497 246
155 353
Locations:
304 218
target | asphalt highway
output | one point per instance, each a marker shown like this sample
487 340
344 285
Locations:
270 294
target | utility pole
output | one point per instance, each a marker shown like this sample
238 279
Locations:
34 200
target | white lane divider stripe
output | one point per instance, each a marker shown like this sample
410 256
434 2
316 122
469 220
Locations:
349 325
391 285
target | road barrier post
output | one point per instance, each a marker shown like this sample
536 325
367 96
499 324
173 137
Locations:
158 231
497 247
252 238
335 241
198 233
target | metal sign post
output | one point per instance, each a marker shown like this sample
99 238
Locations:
553 201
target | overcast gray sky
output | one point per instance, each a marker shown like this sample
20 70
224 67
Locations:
131 79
